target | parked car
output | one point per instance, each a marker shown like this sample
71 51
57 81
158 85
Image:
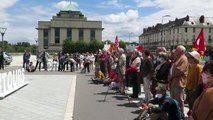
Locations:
7 58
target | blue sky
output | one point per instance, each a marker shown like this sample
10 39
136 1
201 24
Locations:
125 18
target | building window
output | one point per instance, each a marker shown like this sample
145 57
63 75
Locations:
210 38
173 31
81 34
186 30
69 34
193 38
210 30
57 35
194 30
46 37
92 34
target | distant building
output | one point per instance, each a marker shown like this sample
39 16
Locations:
180 31
69 24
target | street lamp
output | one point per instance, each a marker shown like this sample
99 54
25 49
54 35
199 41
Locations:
162 29
2 31
129 36
36 40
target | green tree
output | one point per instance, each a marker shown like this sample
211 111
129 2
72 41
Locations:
122 44
82 46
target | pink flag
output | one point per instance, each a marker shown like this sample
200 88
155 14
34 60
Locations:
116 42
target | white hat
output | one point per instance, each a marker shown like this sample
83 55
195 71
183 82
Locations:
195 55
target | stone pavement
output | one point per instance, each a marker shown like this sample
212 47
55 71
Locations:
44 98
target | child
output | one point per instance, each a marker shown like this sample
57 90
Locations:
30 67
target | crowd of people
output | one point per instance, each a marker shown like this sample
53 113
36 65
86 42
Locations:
58 61
166 77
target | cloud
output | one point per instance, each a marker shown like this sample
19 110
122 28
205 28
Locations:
7 3
3 6
121 17
113 4
63 4
145 3
121 24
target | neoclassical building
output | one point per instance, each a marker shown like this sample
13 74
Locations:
69 24
180 31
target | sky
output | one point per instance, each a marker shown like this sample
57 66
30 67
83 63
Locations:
124 18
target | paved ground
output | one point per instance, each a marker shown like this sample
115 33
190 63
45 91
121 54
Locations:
44 98
89 104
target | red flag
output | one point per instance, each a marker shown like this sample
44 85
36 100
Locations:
110 48
116 42
140 47
199 43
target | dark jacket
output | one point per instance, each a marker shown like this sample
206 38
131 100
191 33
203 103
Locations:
168 105
147 67
163 72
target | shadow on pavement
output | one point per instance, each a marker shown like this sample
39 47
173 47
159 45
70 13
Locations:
120 97
128 105
105 93
136 111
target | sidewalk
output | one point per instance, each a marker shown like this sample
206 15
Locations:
44 98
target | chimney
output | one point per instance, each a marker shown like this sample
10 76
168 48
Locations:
187 18
201 19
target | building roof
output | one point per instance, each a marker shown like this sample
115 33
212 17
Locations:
70 7
189 21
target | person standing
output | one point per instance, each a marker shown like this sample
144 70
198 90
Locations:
38 62
87 62
147 70
122 69
193 89
134 69
26 59
45 57
178 75
1 60
162 71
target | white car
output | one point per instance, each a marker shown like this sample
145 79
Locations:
7 58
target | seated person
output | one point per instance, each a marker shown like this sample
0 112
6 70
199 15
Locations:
30 67
99 76
112 79
167 108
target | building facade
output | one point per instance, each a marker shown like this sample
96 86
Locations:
68 24
180 31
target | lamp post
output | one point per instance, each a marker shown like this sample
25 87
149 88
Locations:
36 40
2 31
162 29
129 36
